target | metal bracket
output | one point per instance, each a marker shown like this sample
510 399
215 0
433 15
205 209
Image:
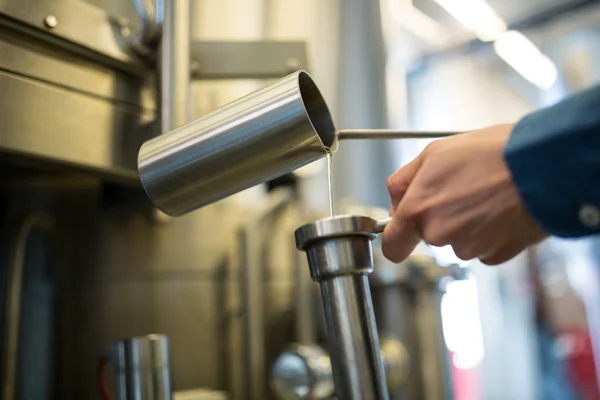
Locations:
246 60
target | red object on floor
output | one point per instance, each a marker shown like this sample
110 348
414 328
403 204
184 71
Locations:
580 363
466 382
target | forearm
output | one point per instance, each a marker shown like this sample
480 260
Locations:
554 158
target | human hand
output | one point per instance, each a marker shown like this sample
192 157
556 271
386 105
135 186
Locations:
459 192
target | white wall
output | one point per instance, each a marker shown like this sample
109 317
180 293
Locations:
461 93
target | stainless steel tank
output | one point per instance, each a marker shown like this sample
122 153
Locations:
407 299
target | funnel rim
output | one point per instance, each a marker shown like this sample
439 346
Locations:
337 226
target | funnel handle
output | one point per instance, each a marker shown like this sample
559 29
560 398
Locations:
381 224
345 134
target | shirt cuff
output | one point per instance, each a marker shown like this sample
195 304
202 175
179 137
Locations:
554 170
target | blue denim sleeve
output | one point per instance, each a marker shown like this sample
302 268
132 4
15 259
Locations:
554 158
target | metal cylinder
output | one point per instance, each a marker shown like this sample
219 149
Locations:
339 257
304 371
407 298
266 134
174 63
142 367
14 300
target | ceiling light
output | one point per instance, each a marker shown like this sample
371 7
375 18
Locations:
525 58
425 27
418 23
476 16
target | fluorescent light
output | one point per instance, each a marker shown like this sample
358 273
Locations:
422 25
461 324
525 58
477 16
417 22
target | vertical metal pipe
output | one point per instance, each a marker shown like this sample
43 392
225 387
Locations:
353 341
340 258
174 65
435 360
252 294
142 366
252 285
13 302
306 331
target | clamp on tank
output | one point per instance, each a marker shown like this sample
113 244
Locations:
340 258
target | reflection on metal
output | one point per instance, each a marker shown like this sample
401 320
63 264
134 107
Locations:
62 132
262 136
407 298
73 25
353 134
65 71
142 367
252 244
174 65
266 134
200 394
306 331
50 21
436 371
12 320
247 60
395 363
304 371
66 64
339 257
144 40
62 62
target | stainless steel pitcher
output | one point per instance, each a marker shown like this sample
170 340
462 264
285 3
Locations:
142 368
259 137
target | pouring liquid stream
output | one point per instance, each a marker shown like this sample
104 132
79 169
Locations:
329 182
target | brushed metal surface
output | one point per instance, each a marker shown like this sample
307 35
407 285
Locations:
142 367
185 310
253 240
339 256
338 245
302 372
127 275
353 340
14 301
247 59
134 277
359 134
48 123
151 15
80 27
174 65
338 226
33 59
263 135
407 300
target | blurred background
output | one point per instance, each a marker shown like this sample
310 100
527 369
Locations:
87 262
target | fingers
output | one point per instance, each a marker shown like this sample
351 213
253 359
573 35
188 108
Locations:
399 181
400 238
